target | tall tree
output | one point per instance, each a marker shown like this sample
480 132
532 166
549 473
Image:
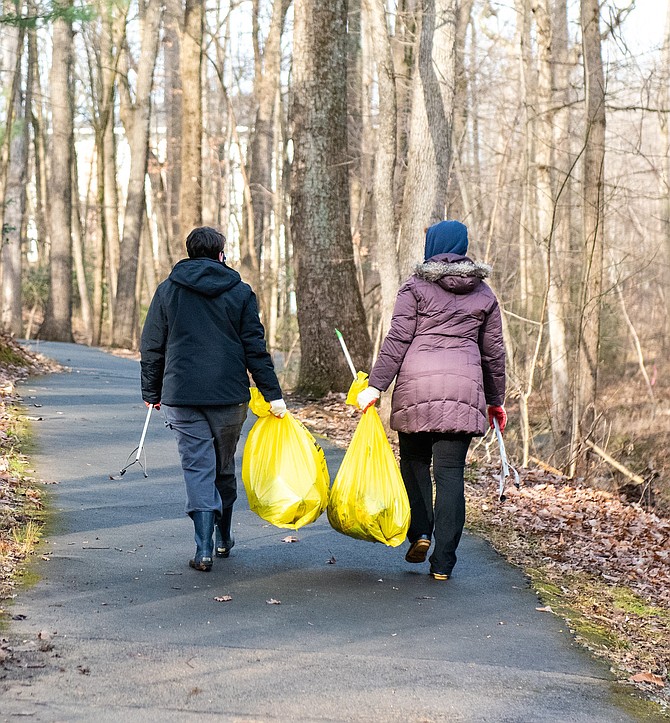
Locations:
593 215
12 221
664 119
57 324
190 188
137 130
385 160
547 18
429 154
327 291
267 69
174 20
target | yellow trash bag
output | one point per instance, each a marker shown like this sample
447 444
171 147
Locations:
368 499
283 469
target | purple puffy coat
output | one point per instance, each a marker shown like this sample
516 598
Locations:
445 346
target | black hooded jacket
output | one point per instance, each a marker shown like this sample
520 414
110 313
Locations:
201 335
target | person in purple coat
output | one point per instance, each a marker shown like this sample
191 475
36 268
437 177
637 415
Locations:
445 350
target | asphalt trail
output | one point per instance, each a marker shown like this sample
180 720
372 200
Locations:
138 635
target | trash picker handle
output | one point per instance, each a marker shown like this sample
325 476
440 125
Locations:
144 432
505 465
346 353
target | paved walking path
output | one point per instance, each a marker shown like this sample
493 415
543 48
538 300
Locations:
138 635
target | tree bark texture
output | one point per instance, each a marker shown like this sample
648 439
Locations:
385 161
547 211
57 325
125 316
260 154
328 296
190 190
593 211
429 154
174 18
665 170
15 205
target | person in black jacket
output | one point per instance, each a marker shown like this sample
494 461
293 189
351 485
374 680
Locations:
201 336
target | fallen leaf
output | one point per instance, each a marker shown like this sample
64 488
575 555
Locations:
223 598
272 601
546 609
648 677
290 538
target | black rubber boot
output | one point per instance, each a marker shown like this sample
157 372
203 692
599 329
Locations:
224 533
203 522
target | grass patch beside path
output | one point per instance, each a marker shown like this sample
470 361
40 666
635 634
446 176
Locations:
21 499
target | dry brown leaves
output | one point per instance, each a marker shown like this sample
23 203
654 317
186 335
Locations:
579 528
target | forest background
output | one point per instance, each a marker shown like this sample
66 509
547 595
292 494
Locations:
322 138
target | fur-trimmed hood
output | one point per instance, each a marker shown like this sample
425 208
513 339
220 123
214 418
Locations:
458 274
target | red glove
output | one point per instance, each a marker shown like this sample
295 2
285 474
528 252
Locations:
156 406
500 414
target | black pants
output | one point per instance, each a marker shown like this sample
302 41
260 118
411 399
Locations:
442 519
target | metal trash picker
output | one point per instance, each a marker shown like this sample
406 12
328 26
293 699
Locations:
347 356
505 466
137 451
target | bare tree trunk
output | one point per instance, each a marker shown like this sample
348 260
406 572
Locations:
459 203
429 154
174 16
10 61
57 325
99 264
665 135
526 94
404 44
278 213
385 161
320 228
78 255
547 204
112 27
12 220
190 190
257 230
39 144
593 239
126 308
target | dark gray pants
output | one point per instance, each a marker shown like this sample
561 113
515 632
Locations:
207 438
443 519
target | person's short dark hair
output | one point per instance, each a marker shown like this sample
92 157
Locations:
205 242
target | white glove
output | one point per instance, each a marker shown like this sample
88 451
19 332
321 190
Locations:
278 408
367 397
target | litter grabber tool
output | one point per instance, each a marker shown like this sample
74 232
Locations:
347 356
137 451
505 466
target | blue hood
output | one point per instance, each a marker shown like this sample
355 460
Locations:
446 237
